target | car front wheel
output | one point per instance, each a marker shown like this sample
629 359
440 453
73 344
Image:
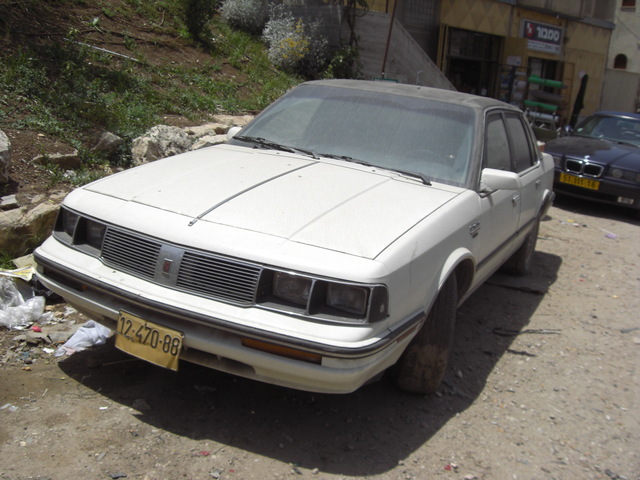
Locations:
423 364
521 261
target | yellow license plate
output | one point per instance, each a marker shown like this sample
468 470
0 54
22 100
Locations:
579 181
148 341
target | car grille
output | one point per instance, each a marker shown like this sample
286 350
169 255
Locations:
582 167
205 274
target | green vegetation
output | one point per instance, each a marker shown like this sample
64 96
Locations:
66 88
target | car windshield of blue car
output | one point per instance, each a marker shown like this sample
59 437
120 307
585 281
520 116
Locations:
427 139
617 129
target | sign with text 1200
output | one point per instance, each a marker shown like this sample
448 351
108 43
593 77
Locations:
542 36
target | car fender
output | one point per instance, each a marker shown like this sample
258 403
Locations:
457 257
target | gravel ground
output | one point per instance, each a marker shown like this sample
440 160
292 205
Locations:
543 384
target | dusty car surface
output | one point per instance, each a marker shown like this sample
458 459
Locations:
331 239
600 160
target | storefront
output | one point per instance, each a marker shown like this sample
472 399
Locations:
531 58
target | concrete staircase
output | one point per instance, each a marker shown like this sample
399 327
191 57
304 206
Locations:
406 60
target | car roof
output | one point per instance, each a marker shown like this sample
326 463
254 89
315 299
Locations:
619 114
475 102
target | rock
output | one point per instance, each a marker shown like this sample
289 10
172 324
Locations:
208 141
5 158
23 229
159 142
66 161
8 203
163 141
108 143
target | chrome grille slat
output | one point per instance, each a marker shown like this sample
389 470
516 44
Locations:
218 277
199 273
131 253
582 167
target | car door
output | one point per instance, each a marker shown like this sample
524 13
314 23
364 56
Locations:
526 161
499 216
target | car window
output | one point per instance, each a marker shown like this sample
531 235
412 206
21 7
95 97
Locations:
395 132
497 153
523 154
615 128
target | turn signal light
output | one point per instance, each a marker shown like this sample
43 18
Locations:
282 351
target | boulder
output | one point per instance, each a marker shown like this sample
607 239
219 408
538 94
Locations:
66 161
208 141
108 143
163 140
159 142
23 229
5 158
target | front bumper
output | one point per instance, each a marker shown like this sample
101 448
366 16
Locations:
218 343
609 191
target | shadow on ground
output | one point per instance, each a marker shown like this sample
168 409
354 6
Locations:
594 209
364 433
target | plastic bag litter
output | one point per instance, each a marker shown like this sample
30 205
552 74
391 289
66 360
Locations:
15 311
90 334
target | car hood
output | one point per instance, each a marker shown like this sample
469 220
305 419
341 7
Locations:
329 204
596 150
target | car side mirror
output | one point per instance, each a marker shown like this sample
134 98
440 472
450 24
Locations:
492 180
232 132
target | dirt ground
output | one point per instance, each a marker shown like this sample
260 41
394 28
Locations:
543 384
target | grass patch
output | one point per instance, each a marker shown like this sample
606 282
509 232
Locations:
65 89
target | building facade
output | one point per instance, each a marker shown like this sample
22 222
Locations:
546 56
621 89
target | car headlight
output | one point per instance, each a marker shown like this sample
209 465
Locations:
79 231
306 295
557 160
622 174
68 221
292 288
351 299
94 233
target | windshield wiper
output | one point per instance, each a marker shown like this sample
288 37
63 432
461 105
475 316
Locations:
263 142
420 176
347 158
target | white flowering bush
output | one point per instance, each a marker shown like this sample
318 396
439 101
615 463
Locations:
295 46
247 15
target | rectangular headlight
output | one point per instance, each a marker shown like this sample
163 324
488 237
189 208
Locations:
348 298
94 232
292 288
69 221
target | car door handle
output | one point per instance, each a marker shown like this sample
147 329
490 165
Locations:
515 199
538 183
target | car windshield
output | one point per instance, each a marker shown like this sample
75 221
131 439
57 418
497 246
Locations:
429 139
617 129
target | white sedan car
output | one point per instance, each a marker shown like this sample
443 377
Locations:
331 239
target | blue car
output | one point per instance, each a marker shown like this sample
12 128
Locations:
600 160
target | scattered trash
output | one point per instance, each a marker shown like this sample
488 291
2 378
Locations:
90 334
609 234
14 309
9 407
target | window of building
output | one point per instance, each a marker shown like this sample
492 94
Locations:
620 62
629 4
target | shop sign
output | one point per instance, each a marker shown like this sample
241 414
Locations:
542 37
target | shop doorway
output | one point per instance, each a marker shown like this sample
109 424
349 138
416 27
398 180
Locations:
472 61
